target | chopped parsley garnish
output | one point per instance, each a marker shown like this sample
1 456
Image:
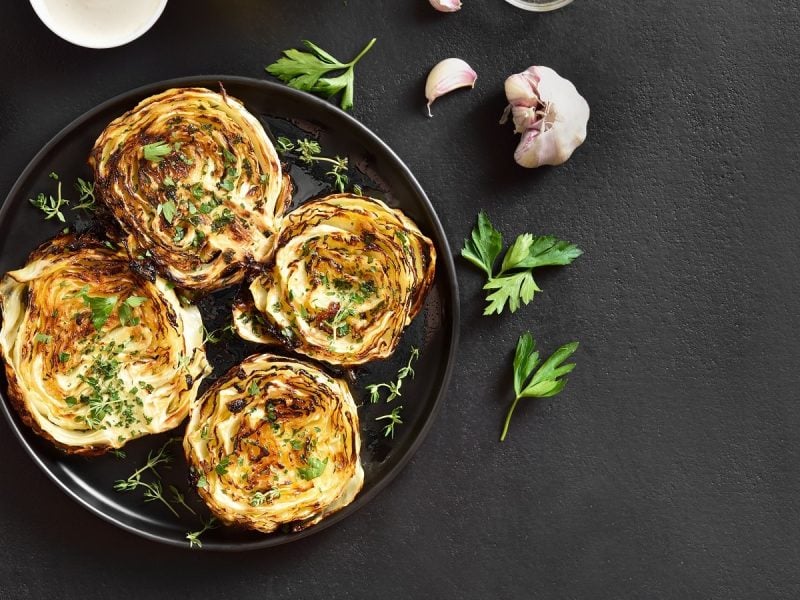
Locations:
253 388
368 288
230 180
198 190
260 498
314 469
156 151
101 308
207 207
167 209
222 466
63 357
43 338
222 221
125 311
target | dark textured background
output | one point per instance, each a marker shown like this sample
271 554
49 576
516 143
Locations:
669 466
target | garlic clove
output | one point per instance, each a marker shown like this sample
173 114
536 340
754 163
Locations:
446 5
450 74
549 113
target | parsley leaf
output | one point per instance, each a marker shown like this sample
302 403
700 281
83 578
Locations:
134 301
314 469
125 310
222 466
101 308
43 338
529 252
513 289
514 284
156 151
307 71
485 246
168 210
546 381
223 220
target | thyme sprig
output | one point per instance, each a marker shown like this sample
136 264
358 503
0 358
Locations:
394 419
394 389
308 151
86 199
194 536
217 335
393 386
179 499
152 490
50 206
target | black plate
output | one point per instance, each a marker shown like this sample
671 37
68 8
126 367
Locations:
381 173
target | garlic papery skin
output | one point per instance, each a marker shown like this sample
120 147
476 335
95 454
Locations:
446 5
448 75
549 113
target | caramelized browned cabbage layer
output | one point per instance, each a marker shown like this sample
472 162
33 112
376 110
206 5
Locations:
275 442
349 275
94 355
195 184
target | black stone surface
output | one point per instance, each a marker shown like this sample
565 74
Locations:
669 466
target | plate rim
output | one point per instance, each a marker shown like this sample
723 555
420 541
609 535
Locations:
270 540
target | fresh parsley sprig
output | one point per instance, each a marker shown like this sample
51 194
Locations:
308 151
314 71
514 283
546 381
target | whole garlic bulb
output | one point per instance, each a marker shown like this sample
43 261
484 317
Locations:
549 113
446 5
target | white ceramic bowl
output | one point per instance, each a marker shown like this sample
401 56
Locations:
539 5
99 23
